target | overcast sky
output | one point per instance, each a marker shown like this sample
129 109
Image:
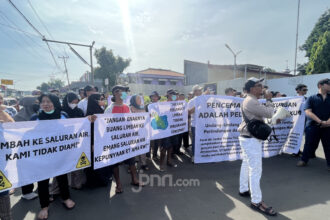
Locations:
153 33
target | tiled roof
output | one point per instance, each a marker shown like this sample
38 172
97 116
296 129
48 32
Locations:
161 72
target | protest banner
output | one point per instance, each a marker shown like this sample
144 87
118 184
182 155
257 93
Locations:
37 150
118 137
218 118
168 119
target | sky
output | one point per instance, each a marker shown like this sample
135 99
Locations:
152 33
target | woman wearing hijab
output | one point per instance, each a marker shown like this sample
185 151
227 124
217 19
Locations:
30 106
5 212
51 109
136 106
70 106
99 177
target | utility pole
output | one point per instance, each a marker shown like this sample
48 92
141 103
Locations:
66 69
78 55
295 56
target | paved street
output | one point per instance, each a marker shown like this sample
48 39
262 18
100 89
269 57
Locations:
297 193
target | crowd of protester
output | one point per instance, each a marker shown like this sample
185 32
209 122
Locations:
162 151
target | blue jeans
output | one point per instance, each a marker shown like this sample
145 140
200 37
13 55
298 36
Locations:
313 136
193 130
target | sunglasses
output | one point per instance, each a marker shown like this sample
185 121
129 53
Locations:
305 90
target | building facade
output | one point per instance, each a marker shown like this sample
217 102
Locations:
196 72
161 77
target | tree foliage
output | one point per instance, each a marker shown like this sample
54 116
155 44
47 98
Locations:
319 60
110 66
268 69
52 84
317 47
322 25
301 68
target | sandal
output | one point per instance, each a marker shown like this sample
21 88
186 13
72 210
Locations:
119 190
245 194
262 209
171 165
137 184
69 206
43 214
145 167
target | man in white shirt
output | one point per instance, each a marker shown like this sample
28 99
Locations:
88 90
197 91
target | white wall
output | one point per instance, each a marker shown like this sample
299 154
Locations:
283 85
288 85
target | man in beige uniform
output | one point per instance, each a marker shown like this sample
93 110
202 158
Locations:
251 168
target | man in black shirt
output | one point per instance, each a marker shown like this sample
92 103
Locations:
317 109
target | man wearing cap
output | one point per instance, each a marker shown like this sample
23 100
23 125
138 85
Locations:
197 91
154 144
251 168
88 90
317 109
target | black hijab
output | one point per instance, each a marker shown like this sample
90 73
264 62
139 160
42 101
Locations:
93 106
73 113
57 106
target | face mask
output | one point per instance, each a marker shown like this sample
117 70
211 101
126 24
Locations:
173 97
35 107
123 96
72 105
51 112
101 103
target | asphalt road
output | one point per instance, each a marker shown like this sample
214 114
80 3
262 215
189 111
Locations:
296 193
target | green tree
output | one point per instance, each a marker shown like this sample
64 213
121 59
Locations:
44 87
315 47
268 69
110 66
319 60
52 84
302 68
322 25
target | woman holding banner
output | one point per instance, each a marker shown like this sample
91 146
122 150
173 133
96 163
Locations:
154 144
169 142
51 109
99 177
136 106
5 212
117 106
70 105
30 106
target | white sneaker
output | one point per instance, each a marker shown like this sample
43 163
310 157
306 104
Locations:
30 196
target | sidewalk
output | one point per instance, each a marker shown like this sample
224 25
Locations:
296 193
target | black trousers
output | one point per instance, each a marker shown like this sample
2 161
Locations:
43 190
27 189
155 145
313 136
185 137
177 142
